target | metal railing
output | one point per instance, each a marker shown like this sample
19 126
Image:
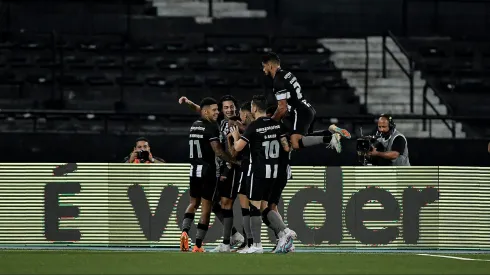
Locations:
450 125
408 72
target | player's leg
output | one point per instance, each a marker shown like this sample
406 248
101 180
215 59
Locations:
228 191
300 124
190 212
255 197
208 190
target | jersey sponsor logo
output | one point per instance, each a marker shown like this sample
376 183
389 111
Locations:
198 128
267 128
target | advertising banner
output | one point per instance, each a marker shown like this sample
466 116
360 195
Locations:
329 207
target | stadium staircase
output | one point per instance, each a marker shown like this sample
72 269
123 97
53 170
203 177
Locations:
390 94
199 9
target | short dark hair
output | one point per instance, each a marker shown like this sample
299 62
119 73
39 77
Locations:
271 110
227 98
260 102
247 106
271 56
142 139
207 101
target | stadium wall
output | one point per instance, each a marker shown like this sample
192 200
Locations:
43 147
112 205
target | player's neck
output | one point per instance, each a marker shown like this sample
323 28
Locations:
259 115
274 72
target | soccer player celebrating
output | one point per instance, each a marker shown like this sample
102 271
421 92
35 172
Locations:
266 138
204 147
229 176
245 119
293 108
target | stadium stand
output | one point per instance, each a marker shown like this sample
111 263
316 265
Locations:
109 73
458 70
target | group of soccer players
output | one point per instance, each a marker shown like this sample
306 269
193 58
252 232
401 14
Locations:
248 157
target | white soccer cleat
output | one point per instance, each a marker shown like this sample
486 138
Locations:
335 143
255 249
291 233
221 248
237 240
287 245
244 250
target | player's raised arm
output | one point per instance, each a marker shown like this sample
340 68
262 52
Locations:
193 106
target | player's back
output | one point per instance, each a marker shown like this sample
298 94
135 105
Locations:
265 146
201 134
286 86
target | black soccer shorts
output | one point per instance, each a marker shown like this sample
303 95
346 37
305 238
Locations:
260 188
281 181
300 121
203 184
229 187
243 187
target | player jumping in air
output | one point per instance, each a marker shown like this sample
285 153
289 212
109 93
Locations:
293 108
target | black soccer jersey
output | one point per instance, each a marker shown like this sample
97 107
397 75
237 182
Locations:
264 138
201 134
287 87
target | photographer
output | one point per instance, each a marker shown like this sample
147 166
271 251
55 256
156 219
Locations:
391 146
142 154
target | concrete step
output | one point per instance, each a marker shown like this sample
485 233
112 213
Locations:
392 83
374 73
161 11
436 130
402 108
356 64
355 45
192 5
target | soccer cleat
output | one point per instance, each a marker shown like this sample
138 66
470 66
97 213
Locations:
275 247
286 245
221 248
334 129
255 249
237 240
335 143
198 249
244 250
184 242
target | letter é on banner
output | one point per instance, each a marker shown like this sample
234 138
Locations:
152 225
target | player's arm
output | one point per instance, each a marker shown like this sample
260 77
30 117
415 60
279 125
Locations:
285 144
241 141
282 96
193 106
231 147
220 153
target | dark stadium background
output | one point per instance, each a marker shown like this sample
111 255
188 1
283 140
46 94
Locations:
81 80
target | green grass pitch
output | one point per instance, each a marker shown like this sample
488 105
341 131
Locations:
111 262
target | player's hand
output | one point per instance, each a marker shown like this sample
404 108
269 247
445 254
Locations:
183 99
222 178
236 134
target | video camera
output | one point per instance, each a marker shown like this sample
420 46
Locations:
365 145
